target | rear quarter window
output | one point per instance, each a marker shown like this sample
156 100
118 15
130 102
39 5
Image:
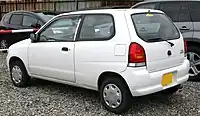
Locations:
97 27
154 27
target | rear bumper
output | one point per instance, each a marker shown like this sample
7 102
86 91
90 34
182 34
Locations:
141 82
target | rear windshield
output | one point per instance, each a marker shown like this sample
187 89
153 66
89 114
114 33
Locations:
153 27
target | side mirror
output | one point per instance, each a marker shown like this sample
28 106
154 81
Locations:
36 25
33 37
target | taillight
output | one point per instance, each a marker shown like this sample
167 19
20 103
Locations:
185 46
137 54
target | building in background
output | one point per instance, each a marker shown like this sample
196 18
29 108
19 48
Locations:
58 5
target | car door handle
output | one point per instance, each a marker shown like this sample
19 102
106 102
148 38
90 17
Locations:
65 49
184 28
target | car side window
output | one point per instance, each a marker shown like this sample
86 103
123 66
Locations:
62 29
16 19
184 15
97 27
171 9
147 6
194 9
29 20
7 18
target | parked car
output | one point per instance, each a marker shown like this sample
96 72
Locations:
185 14
18 20
24 19
130 59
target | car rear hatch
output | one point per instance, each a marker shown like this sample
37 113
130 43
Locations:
161 40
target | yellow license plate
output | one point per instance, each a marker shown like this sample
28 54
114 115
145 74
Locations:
167 79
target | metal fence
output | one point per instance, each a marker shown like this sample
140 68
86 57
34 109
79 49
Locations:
67 5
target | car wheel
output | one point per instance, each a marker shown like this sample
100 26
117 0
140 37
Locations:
115 95
172 90
193 56
3 45
18 73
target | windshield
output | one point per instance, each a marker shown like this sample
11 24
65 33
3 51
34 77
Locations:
154 27
45 17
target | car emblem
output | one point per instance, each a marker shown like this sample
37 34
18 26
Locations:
169 53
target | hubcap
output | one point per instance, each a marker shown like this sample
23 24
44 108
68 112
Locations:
194 63
112 95
3 44
16 74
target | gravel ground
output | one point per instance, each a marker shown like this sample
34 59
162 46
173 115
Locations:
44 98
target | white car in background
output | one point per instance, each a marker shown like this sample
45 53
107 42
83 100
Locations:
130 59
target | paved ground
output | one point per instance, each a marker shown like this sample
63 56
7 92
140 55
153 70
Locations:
51 99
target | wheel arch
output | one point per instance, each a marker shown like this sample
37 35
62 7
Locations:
108 74
193 43
15 58
193 46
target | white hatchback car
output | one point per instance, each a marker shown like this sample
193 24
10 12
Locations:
119 52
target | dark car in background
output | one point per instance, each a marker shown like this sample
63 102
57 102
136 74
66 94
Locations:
17 20
24 19
186 15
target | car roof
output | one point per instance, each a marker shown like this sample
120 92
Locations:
152 1
109 11
18 11
21 11
48 12
148 1
161 0
105 11
34 12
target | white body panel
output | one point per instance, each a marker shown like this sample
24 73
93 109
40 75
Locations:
87 60
157 57
19 50
47 59
95 57
141 82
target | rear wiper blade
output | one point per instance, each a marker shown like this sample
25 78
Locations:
171 44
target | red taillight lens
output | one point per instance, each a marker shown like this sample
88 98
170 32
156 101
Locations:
185 46
136 53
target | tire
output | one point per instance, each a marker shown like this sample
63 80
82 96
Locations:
196 51
21 81
171 90
126 96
